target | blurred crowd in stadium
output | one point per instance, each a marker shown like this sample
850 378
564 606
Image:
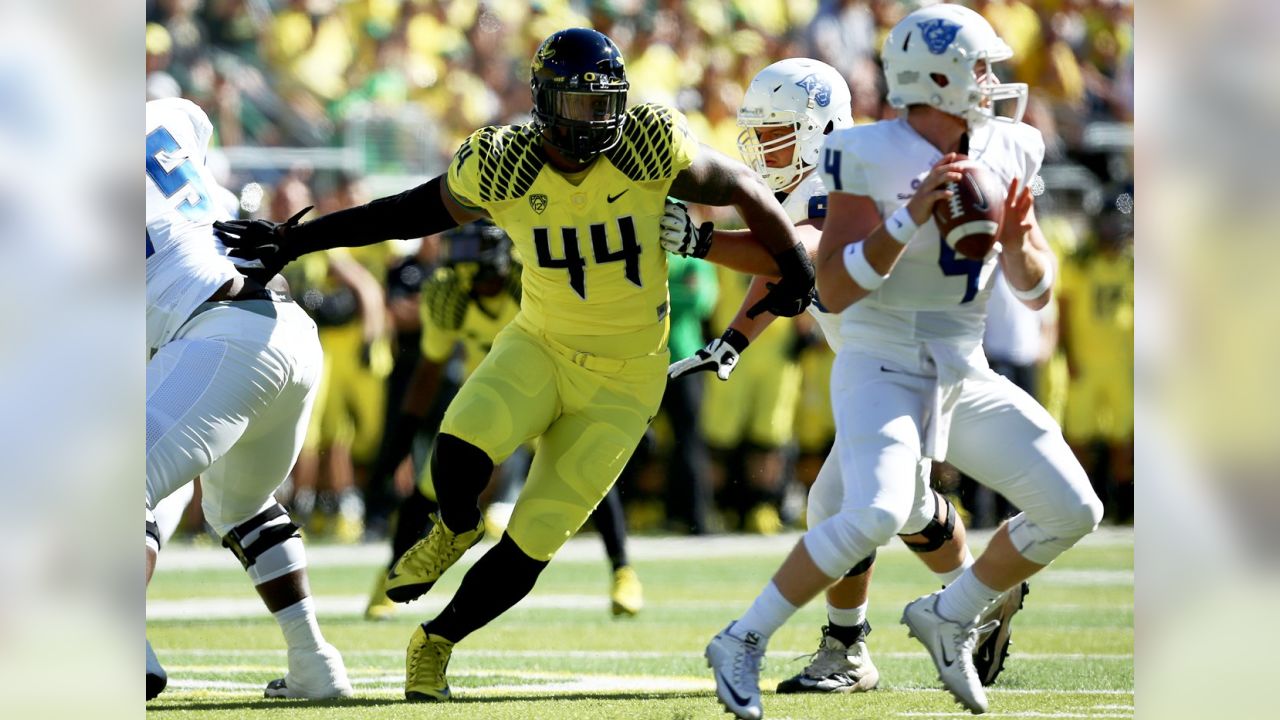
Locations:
332 102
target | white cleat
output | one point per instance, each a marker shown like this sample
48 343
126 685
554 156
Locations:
735 663
950 644
313 675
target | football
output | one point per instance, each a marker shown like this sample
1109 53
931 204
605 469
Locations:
968 221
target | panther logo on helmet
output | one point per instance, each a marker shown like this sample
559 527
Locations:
818 89
938 34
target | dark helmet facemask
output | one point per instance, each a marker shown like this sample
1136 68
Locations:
579 92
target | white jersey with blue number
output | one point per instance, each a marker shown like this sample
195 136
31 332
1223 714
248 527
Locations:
808 201
185 262
932 294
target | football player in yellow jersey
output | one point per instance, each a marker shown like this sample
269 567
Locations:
465 304
1096 324
582 367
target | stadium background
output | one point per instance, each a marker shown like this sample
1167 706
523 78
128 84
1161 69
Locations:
337 102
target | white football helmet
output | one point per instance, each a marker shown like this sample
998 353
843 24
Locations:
811 97
929 59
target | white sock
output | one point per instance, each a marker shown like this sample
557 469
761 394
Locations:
766 614
298 622
950 576
966 599
847 617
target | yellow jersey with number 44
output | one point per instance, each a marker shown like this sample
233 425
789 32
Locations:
595 275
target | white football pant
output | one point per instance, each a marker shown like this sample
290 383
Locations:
229 399
998 435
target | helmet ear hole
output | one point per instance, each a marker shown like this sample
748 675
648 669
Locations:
831 125
939 79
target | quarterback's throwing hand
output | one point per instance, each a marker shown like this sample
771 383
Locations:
720 355
678 234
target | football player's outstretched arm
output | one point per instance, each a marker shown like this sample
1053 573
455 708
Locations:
846 276
1025 255
421 211
714 179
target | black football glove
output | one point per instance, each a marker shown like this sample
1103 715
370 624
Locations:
794 290
261 240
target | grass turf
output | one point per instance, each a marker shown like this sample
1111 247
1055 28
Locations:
560 655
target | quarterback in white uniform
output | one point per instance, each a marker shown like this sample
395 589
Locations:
230 382
910 382
787 112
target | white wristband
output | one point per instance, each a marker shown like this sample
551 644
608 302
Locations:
900 226
1046 280
855 263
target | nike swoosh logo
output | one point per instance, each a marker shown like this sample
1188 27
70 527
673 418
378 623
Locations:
946 660
736 697
392 574
611 198
901 372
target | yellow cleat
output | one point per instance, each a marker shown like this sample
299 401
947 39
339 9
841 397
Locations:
425 663
380 606
626 594
347 530
763 519
423 564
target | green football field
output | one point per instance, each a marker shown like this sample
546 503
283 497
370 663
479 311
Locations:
560 655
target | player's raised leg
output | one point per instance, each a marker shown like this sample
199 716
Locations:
510 398
605 413
1037 472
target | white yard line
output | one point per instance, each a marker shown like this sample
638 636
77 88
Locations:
248 607
585 549
562 682
618 654
1028 714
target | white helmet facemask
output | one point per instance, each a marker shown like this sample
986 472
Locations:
810 98
931 57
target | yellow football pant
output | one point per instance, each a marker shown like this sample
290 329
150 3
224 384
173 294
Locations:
588 411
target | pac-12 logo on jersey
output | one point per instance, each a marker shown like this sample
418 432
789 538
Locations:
817 88
538 202
938 34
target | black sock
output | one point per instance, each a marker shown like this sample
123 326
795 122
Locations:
612 524
849 635
460 472
412 522
499 580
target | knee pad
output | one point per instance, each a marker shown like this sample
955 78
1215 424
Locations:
849 537
268 545
1043 542
938 531
1056 527
863 566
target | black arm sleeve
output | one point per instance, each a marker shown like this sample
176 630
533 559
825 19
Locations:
411 214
